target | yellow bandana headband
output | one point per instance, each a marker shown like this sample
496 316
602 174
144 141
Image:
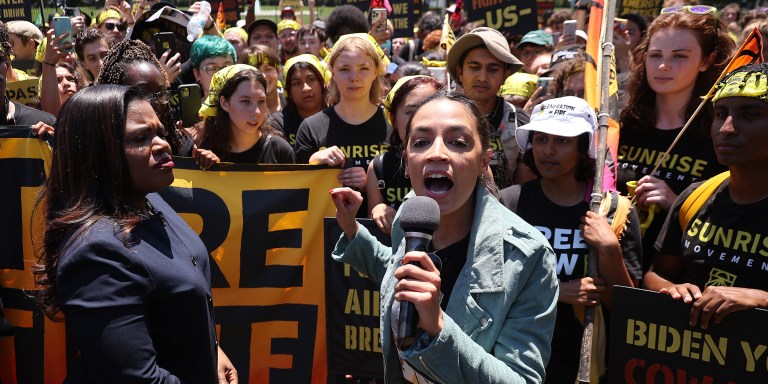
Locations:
256 60
210 106
743 84
108 14
305 58
369 39
287 24
393 92
520 84
239 31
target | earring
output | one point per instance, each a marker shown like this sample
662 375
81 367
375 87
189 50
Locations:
406 176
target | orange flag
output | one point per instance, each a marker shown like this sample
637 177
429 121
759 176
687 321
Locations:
221 22
750 52
592 79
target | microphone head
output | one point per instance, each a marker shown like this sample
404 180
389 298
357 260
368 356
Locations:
420 214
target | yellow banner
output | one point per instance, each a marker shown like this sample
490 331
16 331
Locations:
23 91
263 227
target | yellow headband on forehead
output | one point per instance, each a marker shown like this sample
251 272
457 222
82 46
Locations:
393 92
305 58
239 31
108 14
370 40
257 59
210 106
743 84
287 24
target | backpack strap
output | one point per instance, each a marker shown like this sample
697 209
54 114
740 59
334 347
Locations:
378 170
698 197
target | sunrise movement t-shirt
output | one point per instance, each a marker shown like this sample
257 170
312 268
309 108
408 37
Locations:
692 159
724 244
360 143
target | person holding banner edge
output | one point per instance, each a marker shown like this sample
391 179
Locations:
696 261
493 321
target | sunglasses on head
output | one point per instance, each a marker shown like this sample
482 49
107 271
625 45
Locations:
695 9
120 26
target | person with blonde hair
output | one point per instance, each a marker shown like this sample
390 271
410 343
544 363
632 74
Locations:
353 129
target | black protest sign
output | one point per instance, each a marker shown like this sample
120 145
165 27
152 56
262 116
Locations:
362 5
647 8
515 17
15 10
651 342
352 310
404 15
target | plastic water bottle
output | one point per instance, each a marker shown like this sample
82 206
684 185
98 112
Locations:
198 20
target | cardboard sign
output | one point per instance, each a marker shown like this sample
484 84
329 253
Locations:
515 17
651 342
15 10
23 91
352 306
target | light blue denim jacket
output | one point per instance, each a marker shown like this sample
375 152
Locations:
499 320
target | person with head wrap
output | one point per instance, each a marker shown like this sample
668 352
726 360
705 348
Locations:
235 127
306 79
265 59
238 37
288 36
353 129
111 22
735 202
518 88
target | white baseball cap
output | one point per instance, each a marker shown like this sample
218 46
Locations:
567 116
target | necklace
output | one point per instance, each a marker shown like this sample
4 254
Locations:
492 115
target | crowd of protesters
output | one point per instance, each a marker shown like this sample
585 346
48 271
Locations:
344 92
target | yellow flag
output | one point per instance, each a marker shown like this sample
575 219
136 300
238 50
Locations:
447 38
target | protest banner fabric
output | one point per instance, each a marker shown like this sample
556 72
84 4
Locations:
15 10
516 17
266 263
648 8
652 342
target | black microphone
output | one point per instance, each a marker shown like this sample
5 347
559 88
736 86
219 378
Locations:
419 219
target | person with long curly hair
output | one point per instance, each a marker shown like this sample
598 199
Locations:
685 50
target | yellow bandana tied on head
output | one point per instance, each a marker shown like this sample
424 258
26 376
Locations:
743 84
210 106
256 60
305 58
239 31
519 84
109 13
393 92
287 24
372 41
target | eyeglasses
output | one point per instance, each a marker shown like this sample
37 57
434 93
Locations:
696 9
211 69
161 97
120 26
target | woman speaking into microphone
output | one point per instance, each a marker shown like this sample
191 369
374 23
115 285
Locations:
487 316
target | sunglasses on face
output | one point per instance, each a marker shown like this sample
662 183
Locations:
120 26
695 9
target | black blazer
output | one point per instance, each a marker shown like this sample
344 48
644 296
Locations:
141 312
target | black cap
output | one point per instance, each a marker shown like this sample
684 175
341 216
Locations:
269 23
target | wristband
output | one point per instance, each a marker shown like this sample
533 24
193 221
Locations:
52 65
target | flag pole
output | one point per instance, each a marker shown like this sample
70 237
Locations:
604 69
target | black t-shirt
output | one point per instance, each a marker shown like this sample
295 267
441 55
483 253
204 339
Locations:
393 184
499 121
453 258
360 143
560 225
24 115
270 149
692 159
724 244
288 121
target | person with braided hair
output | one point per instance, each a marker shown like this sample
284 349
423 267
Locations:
133 63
